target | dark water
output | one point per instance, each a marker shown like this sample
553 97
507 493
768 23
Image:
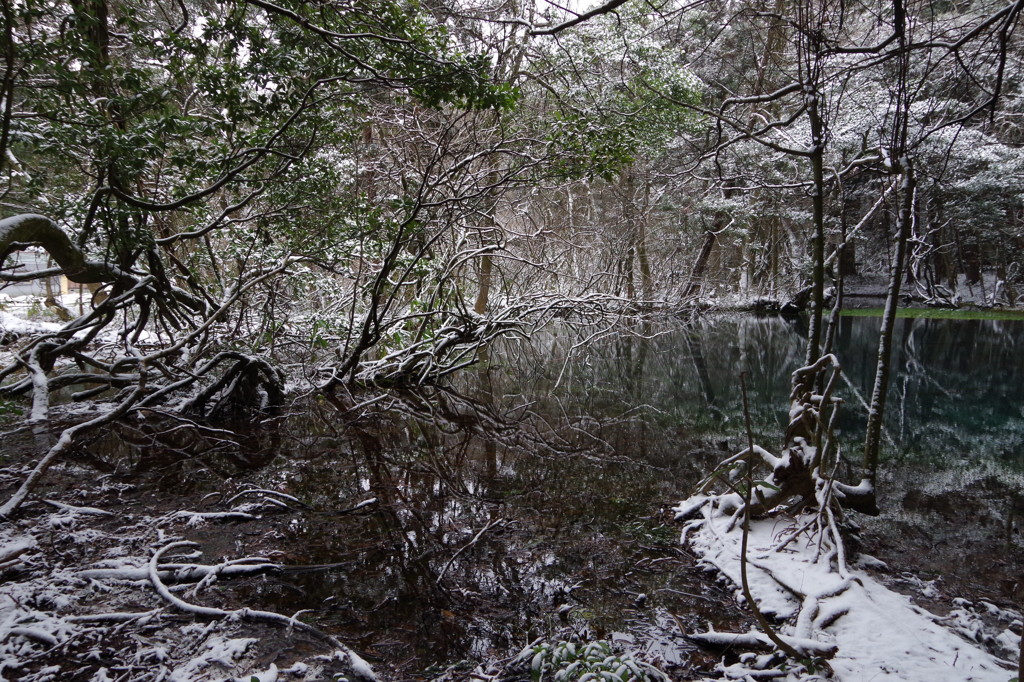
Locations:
453 525
956 391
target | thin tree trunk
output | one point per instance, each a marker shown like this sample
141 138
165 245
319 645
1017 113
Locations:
483 293
701 264
818 240
693 287
876 408
646 280
630 225
7 85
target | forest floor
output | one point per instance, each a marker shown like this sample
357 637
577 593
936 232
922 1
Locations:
79 602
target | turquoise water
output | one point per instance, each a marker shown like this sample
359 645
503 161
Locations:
956 389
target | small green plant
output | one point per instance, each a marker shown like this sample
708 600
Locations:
585 662
37 311
9 410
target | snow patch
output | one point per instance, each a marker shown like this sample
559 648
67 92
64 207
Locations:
879 634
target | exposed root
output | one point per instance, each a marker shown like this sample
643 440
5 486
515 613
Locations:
795 487
791 562
360 668
760 642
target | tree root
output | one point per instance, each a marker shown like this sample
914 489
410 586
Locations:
360 668
760 642
796 482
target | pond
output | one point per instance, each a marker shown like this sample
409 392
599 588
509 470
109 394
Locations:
446 527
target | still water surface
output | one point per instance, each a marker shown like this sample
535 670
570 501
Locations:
458 525
957 389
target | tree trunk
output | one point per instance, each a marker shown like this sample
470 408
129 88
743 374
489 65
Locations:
7 84
700 265
30 228
646 281
483 293
818 238
876 409
489 228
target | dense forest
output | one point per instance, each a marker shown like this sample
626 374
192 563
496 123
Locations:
334 193
264 203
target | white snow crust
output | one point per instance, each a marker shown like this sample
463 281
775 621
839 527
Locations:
880 634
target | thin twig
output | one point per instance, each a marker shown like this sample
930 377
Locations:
462 549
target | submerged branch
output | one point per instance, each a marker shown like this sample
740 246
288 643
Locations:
359 667
64 443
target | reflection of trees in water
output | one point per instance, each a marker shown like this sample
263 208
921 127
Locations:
490 505
679 377
957 387
422 458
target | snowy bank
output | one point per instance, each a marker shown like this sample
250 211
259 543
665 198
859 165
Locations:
877 634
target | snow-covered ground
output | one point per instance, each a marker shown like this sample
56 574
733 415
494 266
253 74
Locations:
88 594
14 319
877 634
869 290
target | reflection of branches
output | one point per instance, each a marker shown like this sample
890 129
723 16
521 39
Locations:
917 369
508 422
448 410
165 440
64 444
695 347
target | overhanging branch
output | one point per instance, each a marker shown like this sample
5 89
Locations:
31 228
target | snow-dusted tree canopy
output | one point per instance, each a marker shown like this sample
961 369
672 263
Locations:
371 191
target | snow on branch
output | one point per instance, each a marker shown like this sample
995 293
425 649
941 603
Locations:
32 229
185 573
579 18
360 668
